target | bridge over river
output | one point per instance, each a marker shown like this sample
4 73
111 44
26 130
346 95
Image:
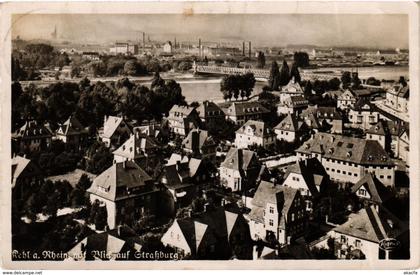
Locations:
258 73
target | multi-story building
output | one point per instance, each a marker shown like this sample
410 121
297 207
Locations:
278 214
397 98
31 137
364 231
292 105
393 137
212 234
346 100
254 133
292 88
115 131
209 112
290 129
124 48
241 112
323 117
72 132
363 114
126 191
240 170
25 174
370 190
139 148
348 159
182 119
309 177
199 144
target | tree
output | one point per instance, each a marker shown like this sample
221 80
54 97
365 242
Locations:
260 60
75 72
346 79
301 59
274 78
157 81
101 218
373 81
247 84
294 73
84 183
284 74
402 81
334 83
229 86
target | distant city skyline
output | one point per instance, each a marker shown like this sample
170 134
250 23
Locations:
370 31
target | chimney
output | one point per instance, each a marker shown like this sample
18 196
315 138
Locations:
223 202
195 141
178 164
199 47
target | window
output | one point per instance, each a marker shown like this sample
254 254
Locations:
388 177
328 169
343 239
344 173
362 192
358 243
271 209
333 170
338 171
270 222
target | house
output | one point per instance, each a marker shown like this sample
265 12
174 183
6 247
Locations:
346 100
94 56
363 114
167 47
278 214
397 98
182 119
364 231
323 117
31 137
348 159
254 133
393 137
125 190
115 131
309 177
211 235
240 169
199 143
292 88
241 112
371 190
121 243
140 148
290 129
209 112
72 132
292 105
182 177
25 174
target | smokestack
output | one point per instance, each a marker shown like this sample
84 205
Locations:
175 42
243 48
199 47
249 50
144 40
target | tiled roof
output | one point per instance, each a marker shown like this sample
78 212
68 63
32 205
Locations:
245 108
124 175
184 110
372 225
71 126
322 112
378 192
388 127
361 103
238 159
111 125
289 123
400 91
208 108
349 149
32 129
136 146
196 139
296 101
312 171
347 93
268 192
259 129
292 87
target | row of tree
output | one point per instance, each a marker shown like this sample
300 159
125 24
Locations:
237 86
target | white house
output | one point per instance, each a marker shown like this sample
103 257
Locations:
254 133
290 128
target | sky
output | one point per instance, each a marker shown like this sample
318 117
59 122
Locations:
373 31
